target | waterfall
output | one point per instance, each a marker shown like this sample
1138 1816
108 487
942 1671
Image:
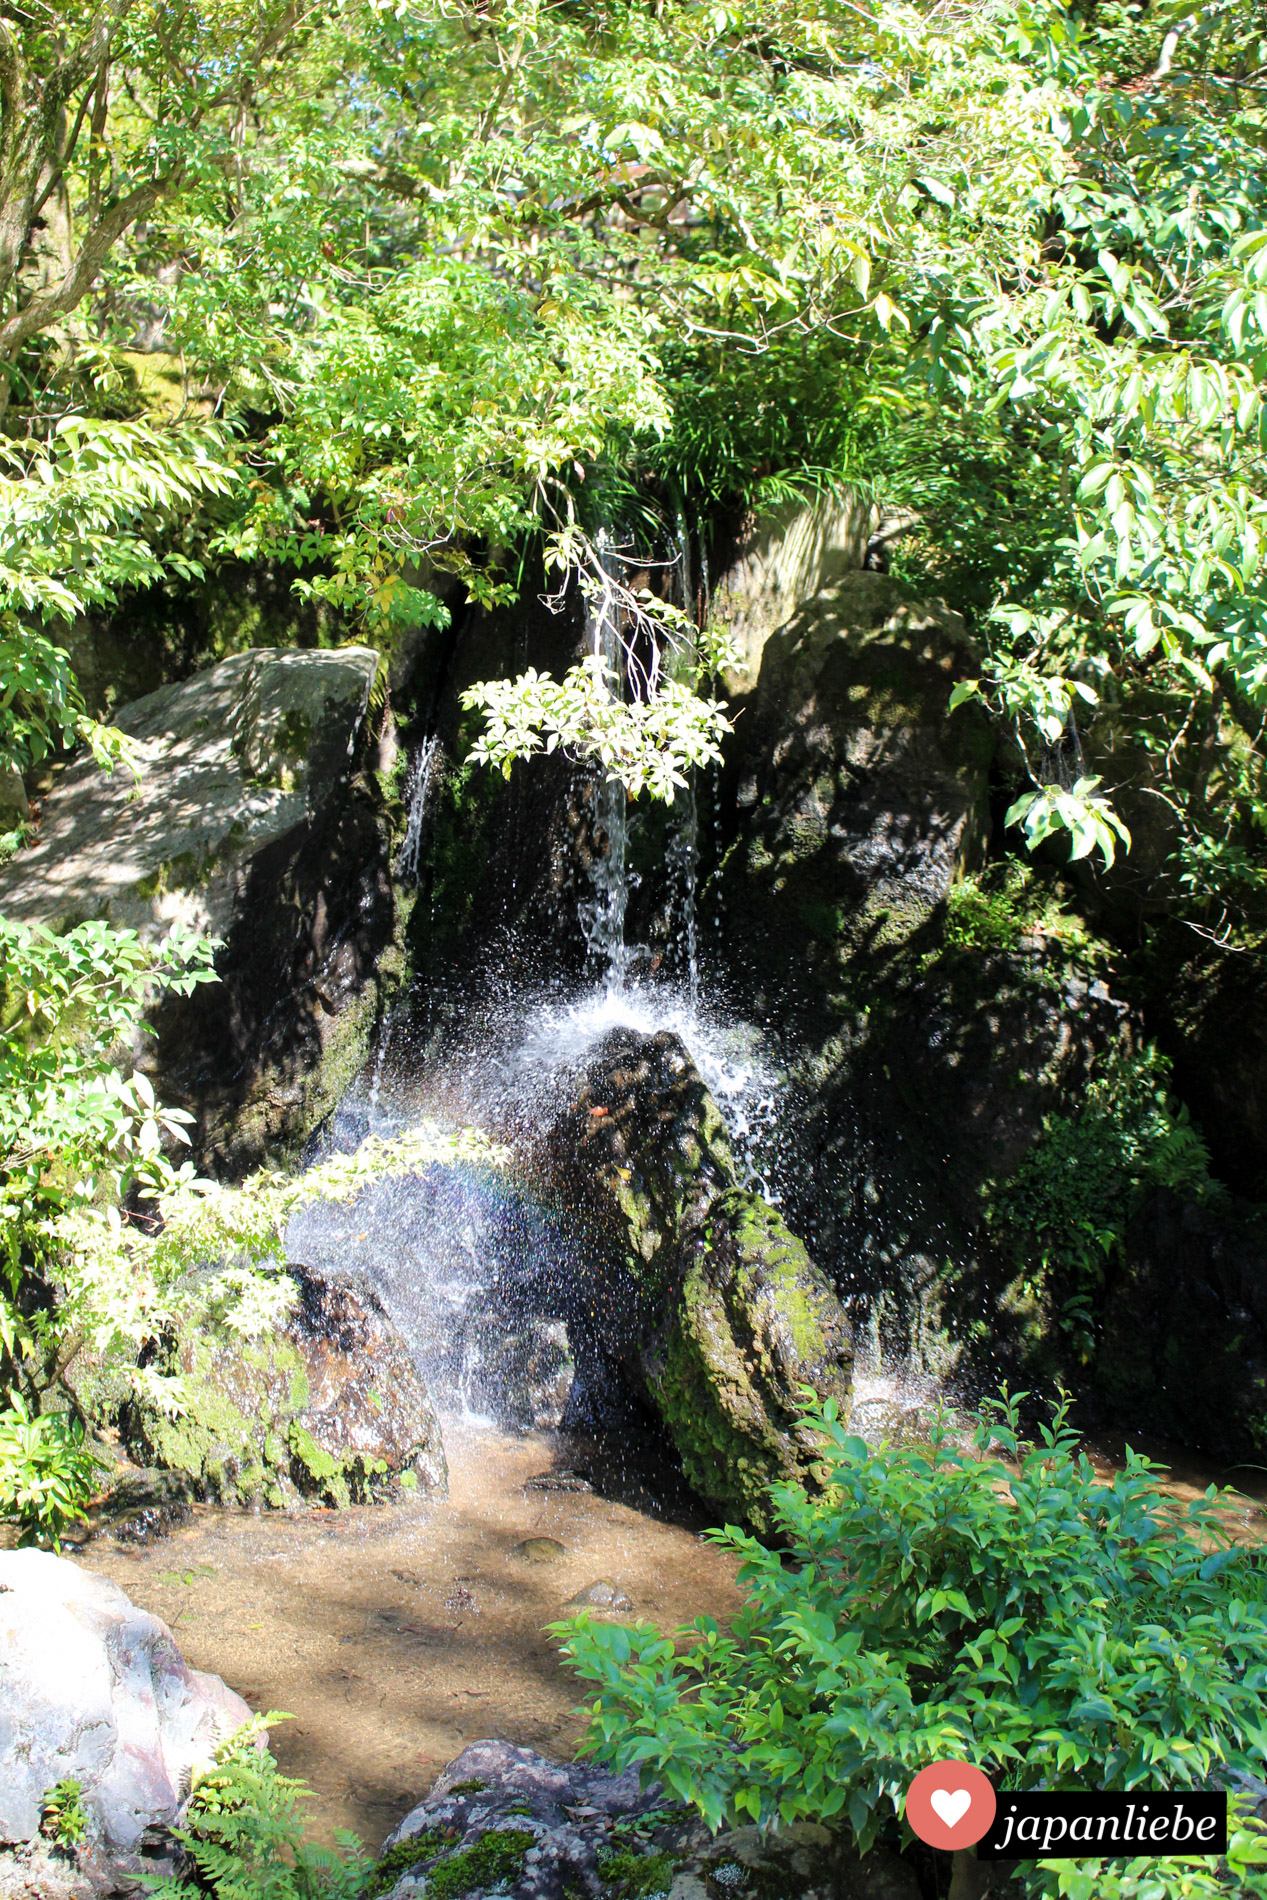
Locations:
603 920
682 862
472 1266
422 771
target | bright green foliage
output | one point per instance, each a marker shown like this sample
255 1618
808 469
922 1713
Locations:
472 285
1056 1630
65 1819
83 515
122 1287
1007 907
68 1004
648 744
78 1124
244 1832
46 1472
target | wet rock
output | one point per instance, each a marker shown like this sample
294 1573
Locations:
752 1324
330 1408
600 1595
693 1285
96 1691
574 1481
517 1370
145 1506
556 1831
257 821
539 1550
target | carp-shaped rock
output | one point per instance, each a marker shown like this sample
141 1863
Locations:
95 1691
692 1283
329 1407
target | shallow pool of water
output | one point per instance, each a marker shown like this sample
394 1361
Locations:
395 1635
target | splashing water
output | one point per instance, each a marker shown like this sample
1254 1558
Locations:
473 1270
558 1038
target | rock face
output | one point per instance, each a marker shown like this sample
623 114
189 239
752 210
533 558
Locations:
1209 1013
783 559
693 1285
510 1822
330 1408
921 1063
94 1690
257 822
518 1370
858 798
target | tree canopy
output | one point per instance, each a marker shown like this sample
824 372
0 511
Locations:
441 284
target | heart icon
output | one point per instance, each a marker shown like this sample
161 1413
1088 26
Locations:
951 1805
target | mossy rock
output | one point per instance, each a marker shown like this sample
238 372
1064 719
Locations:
695 1286
490 1860
329 1408
753 1322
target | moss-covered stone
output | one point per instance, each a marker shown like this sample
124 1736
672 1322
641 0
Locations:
300 1413
492 1860
696 1286
752 1323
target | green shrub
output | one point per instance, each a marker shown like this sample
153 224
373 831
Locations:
1058 1631
244 1833
1072 1197
1002 905
65 1820
47 1472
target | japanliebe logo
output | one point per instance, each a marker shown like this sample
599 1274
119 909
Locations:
952 1805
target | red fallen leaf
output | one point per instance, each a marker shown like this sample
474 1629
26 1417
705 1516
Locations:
598 1111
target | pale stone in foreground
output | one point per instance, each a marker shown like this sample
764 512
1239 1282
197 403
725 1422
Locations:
94 1690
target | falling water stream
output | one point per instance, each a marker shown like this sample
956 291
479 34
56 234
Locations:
396 1634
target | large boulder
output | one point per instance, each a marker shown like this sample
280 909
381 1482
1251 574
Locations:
329 1407
258 820
503 1820
95 1691
858 798
692 1284
926 1041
